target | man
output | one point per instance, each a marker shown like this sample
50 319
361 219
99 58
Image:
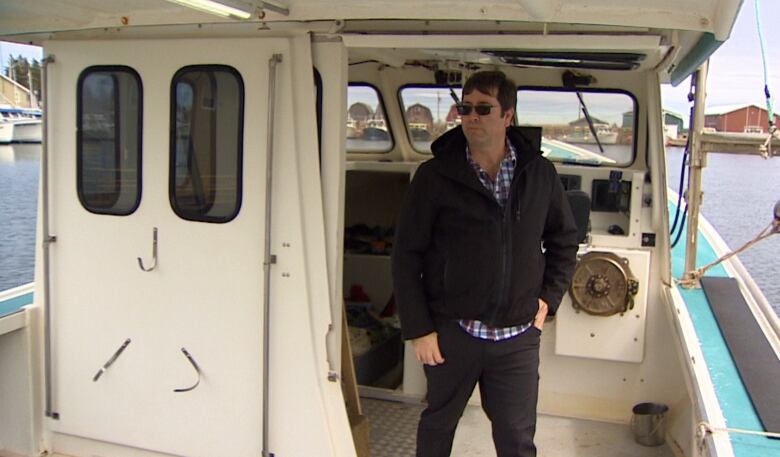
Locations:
471 280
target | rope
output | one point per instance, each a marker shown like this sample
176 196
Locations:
767 150
690 279
703 428
680 229
764 61
685 156
682 183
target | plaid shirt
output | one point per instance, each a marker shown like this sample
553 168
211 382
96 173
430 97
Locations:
500 190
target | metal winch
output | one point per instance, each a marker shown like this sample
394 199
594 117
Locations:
603 284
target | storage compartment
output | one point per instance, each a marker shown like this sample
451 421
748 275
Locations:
381 361
373 197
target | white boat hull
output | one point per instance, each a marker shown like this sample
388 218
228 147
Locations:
21 131
27 131
6 132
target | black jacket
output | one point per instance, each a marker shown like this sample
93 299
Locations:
459 255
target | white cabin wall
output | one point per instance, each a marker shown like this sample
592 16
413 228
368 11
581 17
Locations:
657 165
161 290
16 390
332 418
302 397
679 386
330 59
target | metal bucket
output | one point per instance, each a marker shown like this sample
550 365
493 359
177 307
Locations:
649 423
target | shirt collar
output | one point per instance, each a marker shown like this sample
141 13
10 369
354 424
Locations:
510 155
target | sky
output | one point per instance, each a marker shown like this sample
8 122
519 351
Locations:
736 73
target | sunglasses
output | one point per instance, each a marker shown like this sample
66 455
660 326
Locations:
482 109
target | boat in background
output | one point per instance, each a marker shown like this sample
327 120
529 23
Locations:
19 125
605 134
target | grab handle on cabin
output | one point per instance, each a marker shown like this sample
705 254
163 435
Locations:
197 370
111 360
154 253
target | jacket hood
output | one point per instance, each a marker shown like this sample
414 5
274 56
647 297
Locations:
455 140
452 144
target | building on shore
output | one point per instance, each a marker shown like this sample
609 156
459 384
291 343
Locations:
14 94
738 118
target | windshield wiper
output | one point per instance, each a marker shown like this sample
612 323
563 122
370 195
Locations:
590 121
570 81
454 96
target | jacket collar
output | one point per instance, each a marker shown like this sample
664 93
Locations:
450 152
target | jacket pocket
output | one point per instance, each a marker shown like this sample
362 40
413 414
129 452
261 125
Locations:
466 275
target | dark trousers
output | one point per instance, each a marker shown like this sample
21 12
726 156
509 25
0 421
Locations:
508 375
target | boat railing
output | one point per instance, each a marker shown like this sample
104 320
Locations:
16 291
741 143
12 303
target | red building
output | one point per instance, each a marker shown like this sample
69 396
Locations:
453 118
738 118
419 116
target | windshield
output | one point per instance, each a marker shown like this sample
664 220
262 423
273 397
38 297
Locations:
568 133
428 112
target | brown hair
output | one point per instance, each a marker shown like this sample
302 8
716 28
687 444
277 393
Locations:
493 83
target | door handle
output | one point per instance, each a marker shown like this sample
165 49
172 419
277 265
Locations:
154 253
197 370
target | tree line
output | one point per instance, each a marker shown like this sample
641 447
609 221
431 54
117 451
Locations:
24 72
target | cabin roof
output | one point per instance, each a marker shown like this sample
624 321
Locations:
672 37
713 16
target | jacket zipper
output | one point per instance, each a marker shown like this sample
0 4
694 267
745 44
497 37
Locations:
504 247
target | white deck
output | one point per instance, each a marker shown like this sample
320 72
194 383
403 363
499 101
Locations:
394 424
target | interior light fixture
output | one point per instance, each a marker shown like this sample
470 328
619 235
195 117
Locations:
215 7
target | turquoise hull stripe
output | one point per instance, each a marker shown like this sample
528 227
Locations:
14 304
732 396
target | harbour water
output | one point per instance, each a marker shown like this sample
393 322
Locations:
739 195
19 166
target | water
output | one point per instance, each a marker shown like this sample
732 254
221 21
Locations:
18 203
739 195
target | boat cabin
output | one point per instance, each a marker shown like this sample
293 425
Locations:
219 197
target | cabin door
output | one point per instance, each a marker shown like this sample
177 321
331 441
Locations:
167 159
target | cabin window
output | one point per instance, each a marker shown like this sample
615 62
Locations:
207 116
367 128
108 130
599 129
428 112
